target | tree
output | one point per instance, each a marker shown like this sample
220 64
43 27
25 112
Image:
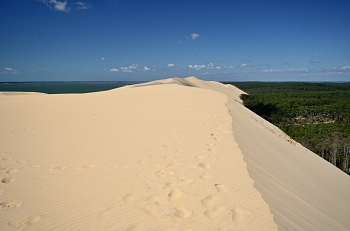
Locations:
334 152
345 165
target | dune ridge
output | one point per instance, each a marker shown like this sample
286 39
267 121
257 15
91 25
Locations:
173 154
303 191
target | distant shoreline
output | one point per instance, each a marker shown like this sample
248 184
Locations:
74 87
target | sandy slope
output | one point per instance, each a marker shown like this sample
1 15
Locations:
176 154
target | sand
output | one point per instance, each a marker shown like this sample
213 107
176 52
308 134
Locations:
174 154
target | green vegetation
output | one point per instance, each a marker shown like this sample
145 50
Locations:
317 115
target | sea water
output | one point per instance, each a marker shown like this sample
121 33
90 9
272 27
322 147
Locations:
62 87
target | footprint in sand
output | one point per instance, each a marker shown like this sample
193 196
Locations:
240 215
206 176
182 212
186 180
1 191
211 200
3 167
12 170
24 222
199 157
182 181
204 165
21 162
164 173
155 211
152 198
59 167
36 166
215 212
169 185
8 180
211 149
11 204
170 165
222 188
136 228
7 158
175 194
129 197
216 139
89 166
155 199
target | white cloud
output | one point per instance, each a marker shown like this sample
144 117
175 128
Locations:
61 5
83 6
230 67
345 68
146 68
246 60
243 65
9 70
197 67
207 66
133 66
113 70
103 59
179 41
287 70
194 36
272 70
56 5
171 65
125 69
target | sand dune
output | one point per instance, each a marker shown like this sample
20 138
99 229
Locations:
175 154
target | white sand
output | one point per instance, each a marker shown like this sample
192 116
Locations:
176 154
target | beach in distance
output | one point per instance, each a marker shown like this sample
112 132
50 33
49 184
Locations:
178 154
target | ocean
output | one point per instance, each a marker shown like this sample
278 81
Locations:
62 87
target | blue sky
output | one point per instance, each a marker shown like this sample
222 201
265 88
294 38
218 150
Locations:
108 40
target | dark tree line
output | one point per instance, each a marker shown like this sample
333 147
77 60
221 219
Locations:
317 115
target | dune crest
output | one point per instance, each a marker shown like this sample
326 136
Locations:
303 191
174 154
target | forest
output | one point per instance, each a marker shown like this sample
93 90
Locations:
317 115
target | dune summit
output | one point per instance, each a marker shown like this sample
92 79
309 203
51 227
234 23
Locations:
174 154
